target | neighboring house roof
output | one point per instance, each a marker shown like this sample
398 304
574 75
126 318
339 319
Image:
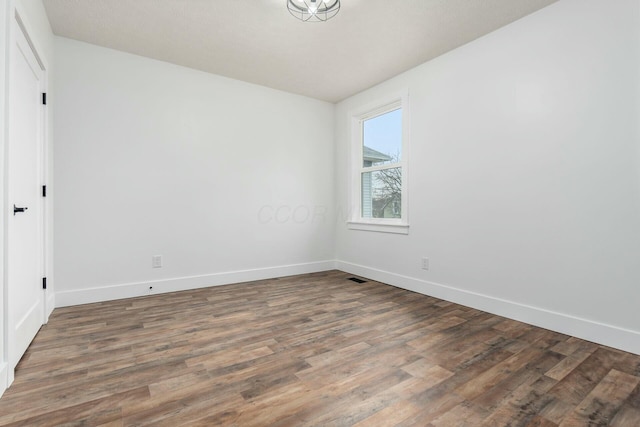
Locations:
373 155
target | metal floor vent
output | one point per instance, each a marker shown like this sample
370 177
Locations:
355 279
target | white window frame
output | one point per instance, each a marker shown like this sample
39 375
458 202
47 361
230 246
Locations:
358 117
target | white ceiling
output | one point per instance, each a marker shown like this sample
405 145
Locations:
258 41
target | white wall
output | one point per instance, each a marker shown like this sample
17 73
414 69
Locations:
226 180
35 20
524 174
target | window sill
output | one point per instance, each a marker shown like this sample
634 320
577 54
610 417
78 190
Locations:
378 227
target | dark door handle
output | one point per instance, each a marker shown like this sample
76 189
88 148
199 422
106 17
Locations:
17 209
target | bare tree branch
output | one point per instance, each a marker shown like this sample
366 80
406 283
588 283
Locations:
388 188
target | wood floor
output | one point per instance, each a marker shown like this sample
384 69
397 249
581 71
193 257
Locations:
312 350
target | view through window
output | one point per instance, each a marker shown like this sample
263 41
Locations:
381 176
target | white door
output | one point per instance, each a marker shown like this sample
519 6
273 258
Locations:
25 231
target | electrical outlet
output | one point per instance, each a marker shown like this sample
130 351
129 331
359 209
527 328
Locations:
424 263
156 261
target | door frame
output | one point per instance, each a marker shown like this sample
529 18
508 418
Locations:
16 21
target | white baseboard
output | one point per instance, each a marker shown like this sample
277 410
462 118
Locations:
4 378
601 333
130 290
51 304
612 336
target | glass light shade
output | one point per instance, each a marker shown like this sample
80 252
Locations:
313 10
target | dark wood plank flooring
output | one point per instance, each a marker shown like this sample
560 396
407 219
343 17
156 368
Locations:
312 350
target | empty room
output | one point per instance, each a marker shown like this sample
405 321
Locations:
320 213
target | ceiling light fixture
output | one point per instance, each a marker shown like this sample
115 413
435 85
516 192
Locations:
313 10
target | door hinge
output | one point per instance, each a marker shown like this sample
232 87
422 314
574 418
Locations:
44 191
44 283
44 98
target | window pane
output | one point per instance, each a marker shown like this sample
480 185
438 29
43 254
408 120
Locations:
382 193
382 139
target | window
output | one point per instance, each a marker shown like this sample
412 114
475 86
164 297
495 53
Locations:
379 167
